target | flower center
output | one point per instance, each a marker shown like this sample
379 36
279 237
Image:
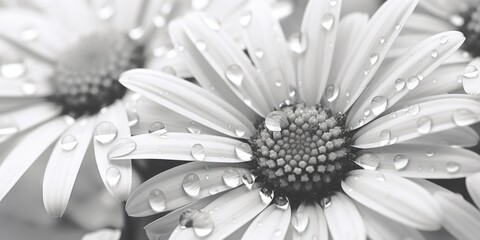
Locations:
301 151
86 75
468 22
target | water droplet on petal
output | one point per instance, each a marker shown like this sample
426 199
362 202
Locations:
13 70
326 202
136 33
29 88
29 34
157 128
200 4
471 71
212 23
331 93
385 137
203 224
122 147
298 43
464 117
368 161
243 152
452 167
105 132
412 82
380 177
193 128
327 21
424 125
231 178
7 126
68 142
399 84
113 175
413 110
234 74
382 40
133 118
400 161
276 121
239 131
457 20
169 70
259 53
281 202
373 58
378 105
300 221
245 19
191 185
266 195
198 152
333 3
157 200
248 179
201 45
443 40
434 53
430 152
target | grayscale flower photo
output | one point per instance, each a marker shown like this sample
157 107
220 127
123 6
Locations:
239 119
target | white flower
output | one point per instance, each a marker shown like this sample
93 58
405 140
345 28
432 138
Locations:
296 158
63 60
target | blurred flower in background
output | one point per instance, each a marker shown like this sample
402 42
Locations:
351 162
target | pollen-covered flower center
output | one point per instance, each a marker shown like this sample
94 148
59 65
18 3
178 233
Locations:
468 22
86 75
301 150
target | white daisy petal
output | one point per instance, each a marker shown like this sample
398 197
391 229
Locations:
344 220
474 188
458 137
318 34
425 24
63 166
423 116
181 146
226 214
309 222
272 223
163 227
189 100
384 26
10 104
415 160
116 175
227 69
20 120
76 14
37 34
379 227
394 197
103 234
471 78
181 185
403 75
18 160
24 77
402 44
169 64
443 9
267 48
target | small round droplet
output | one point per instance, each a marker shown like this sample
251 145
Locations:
378 105
333 3
373 58
399 84
298 43
430 152
157 128
282 202
169 70
400 161
380 177
239 131
412 82
331 93
300 221
424 125
201 45
157 200
234 74
452 167
382 40
266 195
113 176
198 152
464 117
385 137
245 19
259 53
368 161
434 53
443 40
193 128
105 132
326 202
136 33
327 21
191 185
203 224
133 118
413 110
212 23
13 70
457 20
29 88
276 121
231 178
68 142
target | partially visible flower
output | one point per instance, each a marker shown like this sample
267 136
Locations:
335 142
58 83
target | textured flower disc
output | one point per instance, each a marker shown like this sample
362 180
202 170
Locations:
86 75
302 151
468 22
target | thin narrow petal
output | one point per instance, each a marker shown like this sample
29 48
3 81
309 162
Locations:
471 78
403 75
29 147
384 26
426 24
76 14
189 100
226 214
182 185
21 120
267 47
474 188
127 15
103 234
318 35
116 175
420 117
309 222
272 223
63 166
443 9
220 65
455 137
380 227
344 220
183 147
394 197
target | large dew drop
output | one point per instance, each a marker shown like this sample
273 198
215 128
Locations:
368 161
191 185
231 178
266 195
234 74
327 21
105 132
198 152
424 125
378 105
68 142
13 70
157 200
385 137
203 224
157 128
452 167
113 175
464 117
122 147
276 121
400 161
300 221
331 93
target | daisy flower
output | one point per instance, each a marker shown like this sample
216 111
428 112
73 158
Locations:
330 141
58 84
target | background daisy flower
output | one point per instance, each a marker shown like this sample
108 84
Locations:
58 83
330 141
